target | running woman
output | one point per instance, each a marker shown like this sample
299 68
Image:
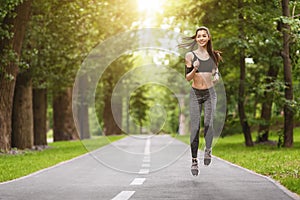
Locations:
201 67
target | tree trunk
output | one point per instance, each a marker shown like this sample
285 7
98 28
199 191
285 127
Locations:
288 112
40 116
263 130
22 116
141 127
63 122
81 110
83 123
266 112
7 86
110 125
241 108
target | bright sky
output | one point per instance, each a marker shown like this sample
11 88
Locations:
150 6
149 9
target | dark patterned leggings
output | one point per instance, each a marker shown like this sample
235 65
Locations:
208 98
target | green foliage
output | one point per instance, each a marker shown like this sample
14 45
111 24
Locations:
108 81
61 34
297 101
7 9
139 105
260 38
53 47
160 110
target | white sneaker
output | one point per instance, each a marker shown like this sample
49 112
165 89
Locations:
207 156
194 168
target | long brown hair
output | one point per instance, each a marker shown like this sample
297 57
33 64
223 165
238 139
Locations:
190 43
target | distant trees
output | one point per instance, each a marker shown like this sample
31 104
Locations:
59 35
139 106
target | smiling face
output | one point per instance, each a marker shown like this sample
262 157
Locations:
202 38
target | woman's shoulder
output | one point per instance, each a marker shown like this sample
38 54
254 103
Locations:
189 55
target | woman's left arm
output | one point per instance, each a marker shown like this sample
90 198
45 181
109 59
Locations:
216 75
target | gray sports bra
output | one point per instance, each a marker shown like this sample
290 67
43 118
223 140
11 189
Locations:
205 65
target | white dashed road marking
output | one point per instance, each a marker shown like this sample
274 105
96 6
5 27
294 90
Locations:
144 171
147 147
124 195
138 181
146 159
146 165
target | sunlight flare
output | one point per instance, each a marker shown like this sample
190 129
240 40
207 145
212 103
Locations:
153 6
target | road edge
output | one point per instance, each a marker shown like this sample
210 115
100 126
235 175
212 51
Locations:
291 194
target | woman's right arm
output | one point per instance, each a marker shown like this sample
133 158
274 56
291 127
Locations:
190 73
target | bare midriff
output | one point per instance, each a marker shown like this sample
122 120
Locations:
202 80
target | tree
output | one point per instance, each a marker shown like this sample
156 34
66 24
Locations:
61 33
63 123
295 56
288 111
139 106
111 124
266 111
115 12
267 54
39 103
243 118
13 31
22 116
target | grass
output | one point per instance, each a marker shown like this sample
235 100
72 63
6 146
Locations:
281 164
28 161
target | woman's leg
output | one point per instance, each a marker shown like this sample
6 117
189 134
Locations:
195 113
209 111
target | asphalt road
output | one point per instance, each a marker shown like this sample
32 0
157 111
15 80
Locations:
143 167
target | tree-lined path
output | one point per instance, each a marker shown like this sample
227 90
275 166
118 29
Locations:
143 167
45 43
